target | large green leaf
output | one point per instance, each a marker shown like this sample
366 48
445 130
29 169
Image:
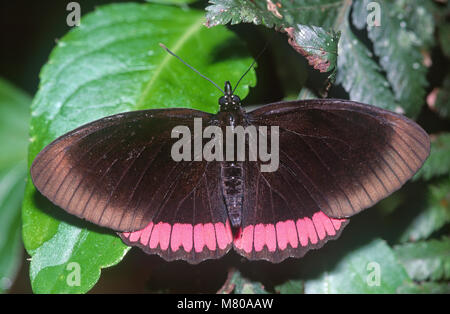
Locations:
14 106
426 260
113 63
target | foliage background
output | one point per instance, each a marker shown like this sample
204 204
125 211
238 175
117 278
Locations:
402 65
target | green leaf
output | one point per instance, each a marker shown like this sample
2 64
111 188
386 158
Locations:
316 44
398 46
438 163
112 63
425 287
14 117
359 74
426 260
371 268
70 262
272 13
433 214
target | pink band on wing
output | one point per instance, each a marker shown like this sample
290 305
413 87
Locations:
281 235
135 236
199 241
145 235
302 234
291 231
185 236
328 225
260 237
247 239
176 240
303 231
164 236
209 235
320 228
310 230
271 239
223 235
154 238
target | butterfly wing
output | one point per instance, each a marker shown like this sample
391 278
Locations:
118 172
336 158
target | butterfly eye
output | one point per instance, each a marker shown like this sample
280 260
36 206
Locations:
222 101
236 99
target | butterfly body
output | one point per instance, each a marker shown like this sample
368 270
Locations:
336 158
232 115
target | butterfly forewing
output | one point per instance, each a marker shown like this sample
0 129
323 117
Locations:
349 155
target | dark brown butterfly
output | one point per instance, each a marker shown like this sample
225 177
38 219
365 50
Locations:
336 158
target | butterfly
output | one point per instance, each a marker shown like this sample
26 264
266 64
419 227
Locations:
336 158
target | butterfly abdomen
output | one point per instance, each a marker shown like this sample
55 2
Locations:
232 180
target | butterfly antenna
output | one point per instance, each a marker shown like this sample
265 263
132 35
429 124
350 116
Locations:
251 66
191 67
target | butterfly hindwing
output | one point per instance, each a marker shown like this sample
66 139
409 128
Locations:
192 225
280 219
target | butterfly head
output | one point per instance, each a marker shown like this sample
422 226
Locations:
229 101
